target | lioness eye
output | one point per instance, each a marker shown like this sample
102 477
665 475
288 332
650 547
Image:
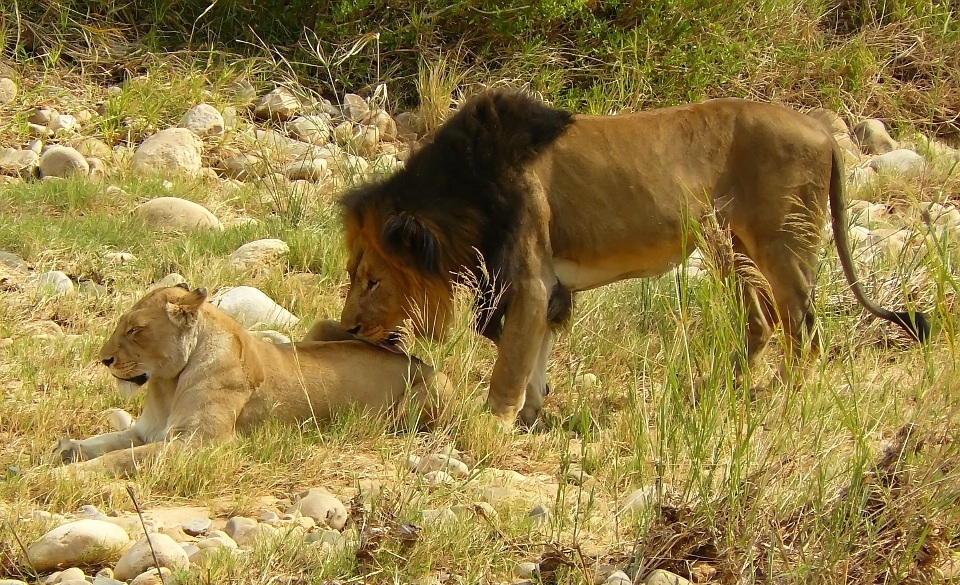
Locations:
372 284
132 330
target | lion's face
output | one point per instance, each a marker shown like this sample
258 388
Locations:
386 291
154 338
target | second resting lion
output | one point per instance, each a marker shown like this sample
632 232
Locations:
207 378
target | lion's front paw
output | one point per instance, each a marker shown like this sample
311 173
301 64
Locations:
67 451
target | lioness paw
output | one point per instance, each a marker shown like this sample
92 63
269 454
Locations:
67 451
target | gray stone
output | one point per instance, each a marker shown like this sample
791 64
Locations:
322 506
238 526
618 578
8 91
72 574
196 526
830 119
36 146
38 130
312 129
166 213
63 161
140 557
278 105
170 151
438 462
251 306
172 279
243 166
872 137
539 514
151 577
203 120
18 163
43 116
354 107
119 257
53 283
640 499
384 124
106 581
76 543
409 126
11 260
93 147
526 570
63 123
901 161
315 169
98 170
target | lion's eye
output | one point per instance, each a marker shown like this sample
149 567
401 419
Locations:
133 330
372 284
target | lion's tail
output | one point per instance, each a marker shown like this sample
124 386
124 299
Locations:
916 324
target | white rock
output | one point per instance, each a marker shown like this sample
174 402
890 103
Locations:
661 577
366 140
864 212
174 150
8 91
902 161
43 116
63 123
151 577
139 558
619 577
354 107
309 170
37 147
438 462
312 129
80 542
238 526
586 381
872 137
441 516
270 335
889 241
119 419
250 306
258 254
860 178
63 161
196 526
166 213
93 147
98 170
53 283
172 279
280 104
526 570
539 514
437 478
640 499
18 162
71 574
322 506
830 119
119 257
12 261
38 130
203 120
243 166
343 133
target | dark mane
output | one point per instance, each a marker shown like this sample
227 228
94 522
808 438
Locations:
463 193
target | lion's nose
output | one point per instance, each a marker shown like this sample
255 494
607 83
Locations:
107 361
355 330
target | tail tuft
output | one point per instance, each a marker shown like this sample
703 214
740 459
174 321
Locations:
916 324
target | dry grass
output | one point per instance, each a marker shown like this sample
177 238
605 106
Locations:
849 479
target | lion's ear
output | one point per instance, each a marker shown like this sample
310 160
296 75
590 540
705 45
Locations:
406 236
184 311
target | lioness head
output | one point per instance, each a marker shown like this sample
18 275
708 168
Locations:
154 338
394 276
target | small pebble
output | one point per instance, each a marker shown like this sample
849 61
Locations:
526 570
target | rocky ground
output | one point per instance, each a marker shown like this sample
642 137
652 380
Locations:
298 153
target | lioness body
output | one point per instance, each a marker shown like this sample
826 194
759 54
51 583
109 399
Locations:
207 378
556 203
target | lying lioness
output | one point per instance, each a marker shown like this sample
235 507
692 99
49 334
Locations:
207 378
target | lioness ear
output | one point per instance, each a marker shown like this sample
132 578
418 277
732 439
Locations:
183 285
407 236
184 311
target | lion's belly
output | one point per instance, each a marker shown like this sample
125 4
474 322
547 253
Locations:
580 275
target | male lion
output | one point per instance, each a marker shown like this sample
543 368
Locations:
206 378
535 203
